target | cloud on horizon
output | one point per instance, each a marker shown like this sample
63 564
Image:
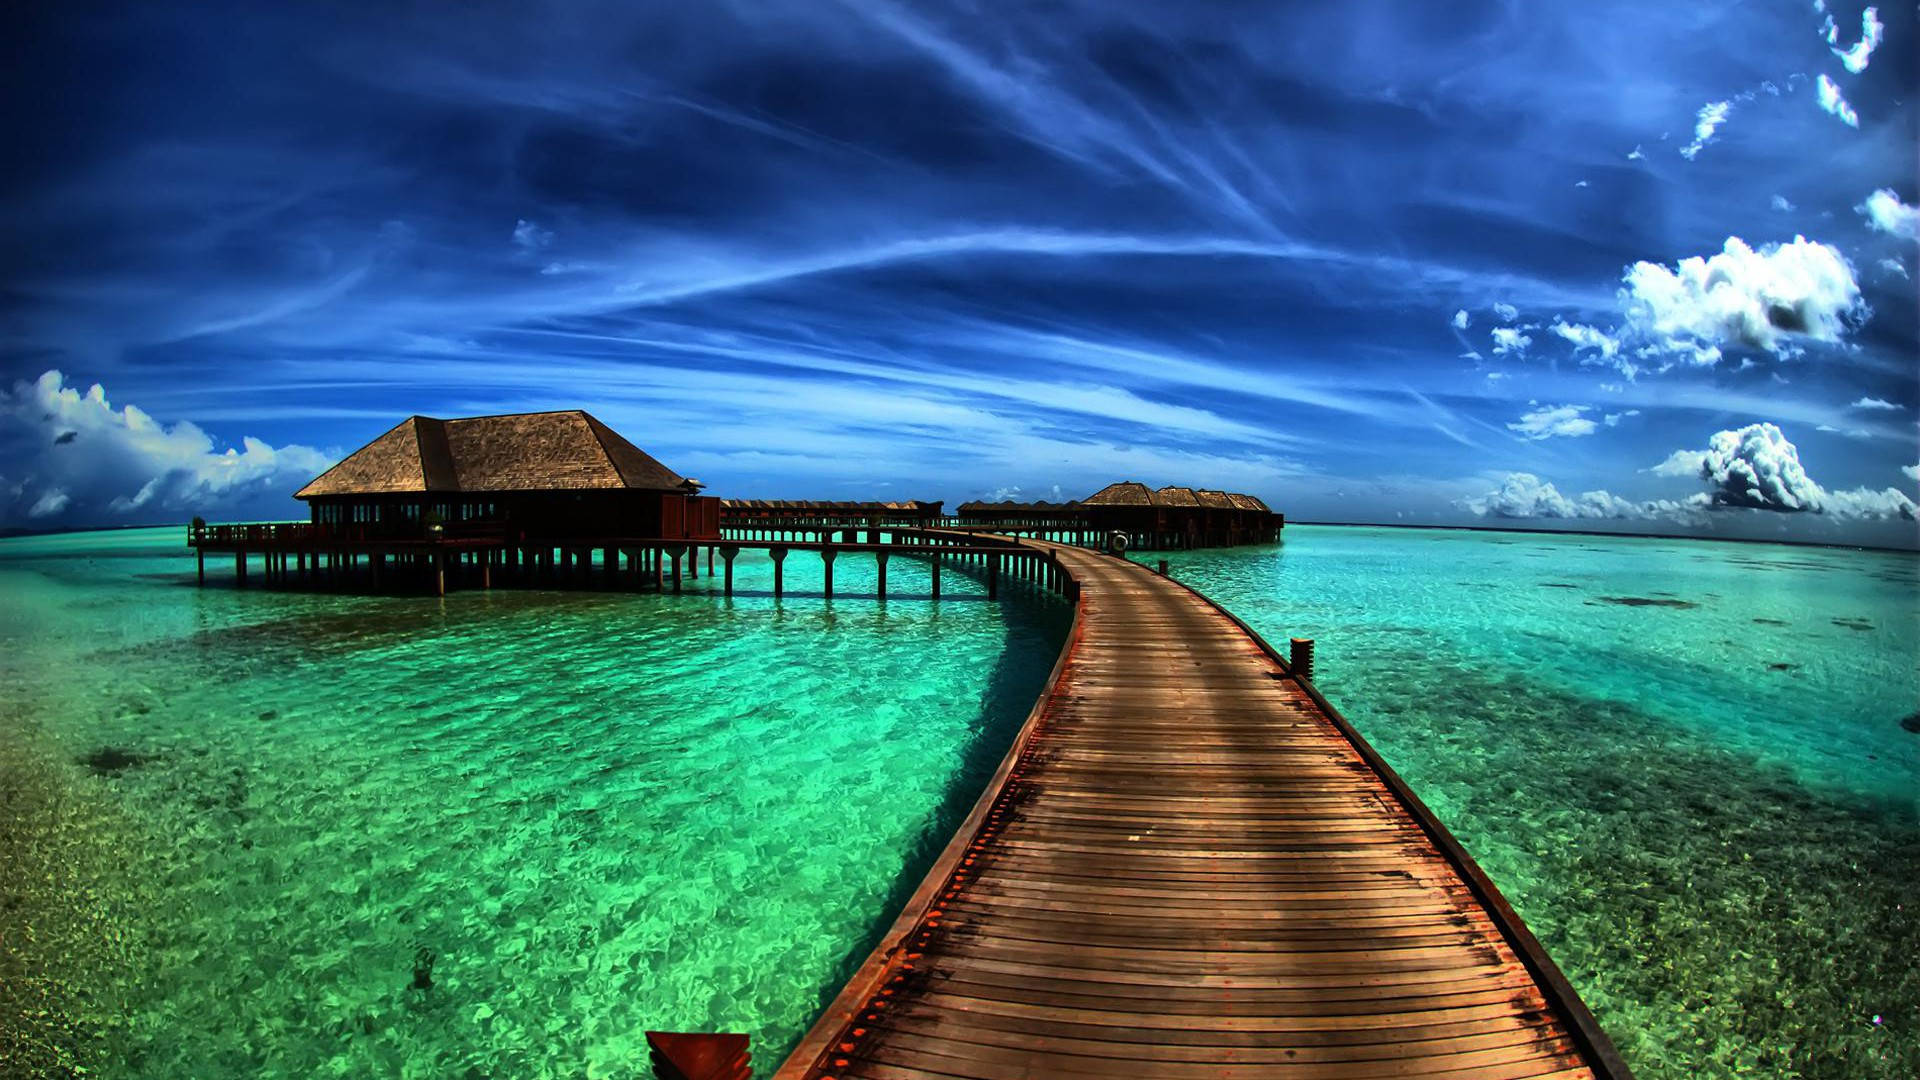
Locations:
86 462
1756 468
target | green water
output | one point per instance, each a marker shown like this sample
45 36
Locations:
601 814
1681 761
598 814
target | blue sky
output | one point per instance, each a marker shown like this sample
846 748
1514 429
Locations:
1400 262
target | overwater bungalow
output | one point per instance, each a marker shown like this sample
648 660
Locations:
1169 518
529 495
554 475
826 513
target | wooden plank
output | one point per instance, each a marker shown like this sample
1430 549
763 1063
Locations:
1188 866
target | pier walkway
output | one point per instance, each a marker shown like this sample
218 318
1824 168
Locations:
1189 865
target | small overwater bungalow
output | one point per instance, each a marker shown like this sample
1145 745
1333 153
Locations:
1170 518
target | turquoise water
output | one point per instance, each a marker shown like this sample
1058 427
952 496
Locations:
599 814
576 816
1683 762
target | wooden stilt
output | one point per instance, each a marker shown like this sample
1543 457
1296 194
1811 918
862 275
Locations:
779 569
880 560
826 559
727 553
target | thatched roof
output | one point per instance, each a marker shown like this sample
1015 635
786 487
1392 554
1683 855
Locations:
1175 496
548 451
1248 502
1124 493
1214 500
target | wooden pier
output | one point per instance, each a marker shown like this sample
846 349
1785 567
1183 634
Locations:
1190 865
301 555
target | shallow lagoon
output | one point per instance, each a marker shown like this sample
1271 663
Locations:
1681 761
596 814
602 813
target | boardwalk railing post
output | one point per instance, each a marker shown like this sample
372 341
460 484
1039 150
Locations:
1300 657
1163 568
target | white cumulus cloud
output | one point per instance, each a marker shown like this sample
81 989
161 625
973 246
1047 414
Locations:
86 462
1828 93
1524 495
530 235
1912 472
1553 421
51 502
1506 312
1782 203
1757 468
1507 340
1613 419
1886 213
1584 337
1872 31
1705 123
1742 296
1460 319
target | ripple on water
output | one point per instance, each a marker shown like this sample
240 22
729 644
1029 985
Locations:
1708 815
505 834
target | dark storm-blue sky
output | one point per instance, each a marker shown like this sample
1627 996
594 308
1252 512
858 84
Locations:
872 250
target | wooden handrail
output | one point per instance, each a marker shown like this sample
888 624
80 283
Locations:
1596 1047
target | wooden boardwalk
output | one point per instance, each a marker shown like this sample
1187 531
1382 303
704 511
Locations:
1189 866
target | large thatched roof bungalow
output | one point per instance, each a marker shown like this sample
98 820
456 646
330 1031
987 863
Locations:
545 474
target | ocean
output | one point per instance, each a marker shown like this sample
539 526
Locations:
501 834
